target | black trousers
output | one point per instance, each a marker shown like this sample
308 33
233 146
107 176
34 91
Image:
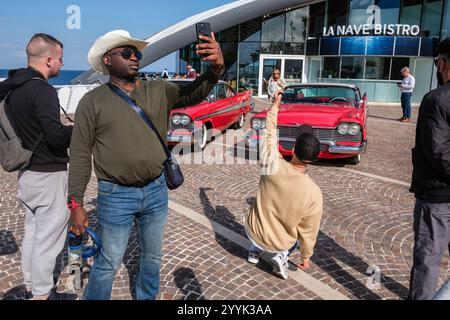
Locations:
431 239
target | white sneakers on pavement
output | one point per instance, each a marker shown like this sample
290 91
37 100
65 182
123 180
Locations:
280 265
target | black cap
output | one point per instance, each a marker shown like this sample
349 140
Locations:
307 146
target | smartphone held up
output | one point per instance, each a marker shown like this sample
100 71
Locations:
203 29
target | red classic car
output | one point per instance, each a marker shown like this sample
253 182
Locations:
222 109
337 113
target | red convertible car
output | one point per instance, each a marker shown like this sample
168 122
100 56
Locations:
222 109
337 113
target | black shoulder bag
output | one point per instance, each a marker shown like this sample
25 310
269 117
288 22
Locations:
172 171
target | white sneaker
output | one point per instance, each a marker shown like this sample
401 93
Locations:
280 267
253 257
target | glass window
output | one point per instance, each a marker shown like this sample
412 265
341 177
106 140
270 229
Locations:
353 46
221 91
329 46
358 12
194 58
273 28
411 12
352 68
390 10
427 46
296 23
316 19
230 54
366 12
313 69
380 46
312 47
249 65
294 48
407 46
337 13
228 35
293 71
320 94
423 74
251 30
230 92
377 68
272 47
446 22
330 67
397 65
431 18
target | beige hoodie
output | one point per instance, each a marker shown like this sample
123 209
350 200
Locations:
288 204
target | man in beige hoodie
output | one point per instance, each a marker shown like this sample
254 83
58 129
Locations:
289 204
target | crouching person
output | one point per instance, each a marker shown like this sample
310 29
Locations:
289 205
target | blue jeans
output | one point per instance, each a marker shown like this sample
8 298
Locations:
406 104
118 207
444 292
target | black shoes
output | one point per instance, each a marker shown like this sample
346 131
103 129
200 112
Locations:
62 296
28 295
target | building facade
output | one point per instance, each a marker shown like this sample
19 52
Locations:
363 42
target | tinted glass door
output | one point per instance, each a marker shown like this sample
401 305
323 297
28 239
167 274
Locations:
267 67
293 71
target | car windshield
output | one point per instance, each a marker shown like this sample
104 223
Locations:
324 95
210 97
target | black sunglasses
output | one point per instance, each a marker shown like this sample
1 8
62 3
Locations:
127 52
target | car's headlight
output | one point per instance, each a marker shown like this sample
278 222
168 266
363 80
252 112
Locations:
181 119
354 129
343 128
176 119
258 123
185 120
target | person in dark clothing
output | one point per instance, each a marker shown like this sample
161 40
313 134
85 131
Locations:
128 158
431 182
33 108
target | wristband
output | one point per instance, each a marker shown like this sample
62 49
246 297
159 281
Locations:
72 205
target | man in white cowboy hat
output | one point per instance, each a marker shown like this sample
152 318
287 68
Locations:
128 157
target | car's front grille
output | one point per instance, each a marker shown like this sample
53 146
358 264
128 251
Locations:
321 134
289 145
173 127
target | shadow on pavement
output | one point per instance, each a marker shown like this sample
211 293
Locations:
16 293
186 280
8 243
328 251
221 215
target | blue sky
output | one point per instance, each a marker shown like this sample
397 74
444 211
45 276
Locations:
20 19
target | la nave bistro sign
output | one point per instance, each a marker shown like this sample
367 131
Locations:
373 29
373 26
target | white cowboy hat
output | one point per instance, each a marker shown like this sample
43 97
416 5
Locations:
109 41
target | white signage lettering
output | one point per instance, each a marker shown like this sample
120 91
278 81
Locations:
373 26
378 29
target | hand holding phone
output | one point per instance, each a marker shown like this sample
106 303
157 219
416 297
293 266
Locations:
208 48
203 29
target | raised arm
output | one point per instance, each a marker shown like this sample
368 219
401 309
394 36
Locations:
198 90
269 144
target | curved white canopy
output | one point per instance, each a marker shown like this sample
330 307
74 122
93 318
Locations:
183 33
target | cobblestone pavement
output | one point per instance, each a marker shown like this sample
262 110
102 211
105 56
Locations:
366 228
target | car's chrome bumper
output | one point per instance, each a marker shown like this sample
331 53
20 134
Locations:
333 148
184 136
